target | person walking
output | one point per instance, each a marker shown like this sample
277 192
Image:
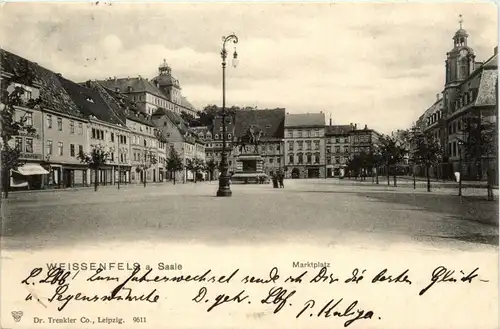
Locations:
281 177
275 181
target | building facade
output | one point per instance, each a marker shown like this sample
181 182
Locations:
70 118
305 145
182 138
469 92
338 149
163 91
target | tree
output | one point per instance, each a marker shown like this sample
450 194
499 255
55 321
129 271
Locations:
195 165
427 152
174 162
391 151
479 146
148 161
190 120
208 114
95 159
211 165
11 127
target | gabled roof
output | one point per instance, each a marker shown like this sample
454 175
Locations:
305 120
337 130
271 121
52 94
90 102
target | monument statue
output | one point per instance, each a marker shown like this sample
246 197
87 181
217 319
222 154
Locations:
251 137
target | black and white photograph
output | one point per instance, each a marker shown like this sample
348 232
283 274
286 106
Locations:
234 165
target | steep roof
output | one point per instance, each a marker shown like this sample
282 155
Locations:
127 107
52 94
271 121
90 102
187 133
487 92
132 85
337 130
305 120
187 104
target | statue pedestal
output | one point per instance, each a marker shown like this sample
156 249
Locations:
249 169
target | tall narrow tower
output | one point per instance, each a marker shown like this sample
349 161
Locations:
459 65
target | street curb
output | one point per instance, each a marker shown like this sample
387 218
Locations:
77 189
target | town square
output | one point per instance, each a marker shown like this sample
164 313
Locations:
160 159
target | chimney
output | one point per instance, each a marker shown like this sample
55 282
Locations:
495 50
355 126
437 97
366 127
330 121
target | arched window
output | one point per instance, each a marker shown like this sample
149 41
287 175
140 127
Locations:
290 158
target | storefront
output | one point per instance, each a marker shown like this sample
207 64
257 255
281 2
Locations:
28 176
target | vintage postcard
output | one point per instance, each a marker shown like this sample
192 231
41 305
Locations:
240 165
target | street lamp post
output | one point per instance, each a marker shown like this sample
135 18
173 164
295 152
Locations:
460 143
224 188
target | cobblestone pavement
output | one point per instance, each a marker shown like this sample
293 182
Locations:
329 212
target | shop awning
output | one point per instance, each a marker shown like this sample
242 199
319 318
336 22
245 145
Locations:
29 169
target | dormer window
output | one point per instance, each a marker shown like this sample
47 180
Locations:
90 100
117 90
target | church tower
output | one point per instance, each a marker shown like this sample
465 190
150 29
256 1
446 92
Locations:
459 65
167 83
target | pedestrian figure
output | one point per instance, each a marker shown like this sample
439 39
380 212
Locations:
275 181
280 178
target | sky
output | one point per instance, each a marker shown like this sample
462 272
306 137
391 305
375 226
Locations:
375 64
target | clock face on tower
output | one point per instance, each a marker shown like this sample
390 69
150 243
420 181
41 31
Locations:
463 53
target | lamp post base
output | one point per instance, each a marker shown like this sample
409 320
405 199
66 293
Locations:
224 187
224 192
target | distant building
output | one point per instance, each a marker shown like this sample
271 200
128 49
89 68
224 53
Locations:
182 138
469 91
305 145
270 121
163 91
338 145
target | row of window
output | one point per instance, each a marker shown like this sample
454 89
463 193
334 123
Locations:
339 140
361 139
60 125
303 133
434 118
465 99
338 160
364 149
138 126
300 145
300 158
455 126
28 144
60 149
337 149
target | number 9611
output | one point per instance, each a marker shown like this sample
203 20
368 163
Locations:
138 319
